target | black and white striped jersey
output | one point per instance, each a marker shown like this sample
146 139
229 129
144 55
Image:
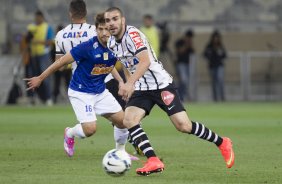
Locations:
71 36
132 43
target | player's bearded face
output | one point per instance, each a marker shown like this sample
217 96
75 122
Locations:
115 23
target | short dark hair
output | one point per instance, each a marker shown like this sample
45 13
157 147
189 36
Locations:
189 33
59 27
115 9
39 13
78 9
148 16
99 19
216 33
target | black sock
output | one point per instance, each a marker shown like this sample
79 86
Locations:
203 132
140 139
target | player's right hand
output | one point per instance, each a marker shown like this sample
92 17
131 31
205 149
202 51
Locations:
33 83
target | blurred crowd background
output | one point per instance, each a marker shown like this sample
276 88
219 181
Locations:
217 50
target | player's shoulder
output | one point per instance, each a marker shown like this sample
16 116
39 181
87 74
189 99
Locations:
86 27
59 35
134 36
31 27
131 29
93 40
66 28
90 43
90 29
62 32
90 26
132 32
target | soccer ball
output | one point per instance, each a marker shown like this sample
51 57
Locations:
116 162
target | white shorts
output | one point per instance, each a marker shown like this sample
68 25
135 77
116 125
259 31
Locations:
87 105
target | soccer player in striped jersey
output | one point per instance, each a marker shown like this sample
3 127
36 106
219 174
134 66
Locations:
150 84
75 33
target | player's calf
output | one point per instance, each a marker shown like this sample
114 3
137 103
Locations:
89 128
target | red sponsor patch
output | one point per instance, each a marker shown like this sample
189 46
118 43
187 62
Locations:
136 39
167 97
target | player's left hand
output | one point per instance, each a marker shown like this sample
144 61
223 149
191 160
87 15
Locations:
33 83
126 91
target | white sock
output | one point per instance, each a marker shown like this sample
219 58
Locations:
76 131
120 136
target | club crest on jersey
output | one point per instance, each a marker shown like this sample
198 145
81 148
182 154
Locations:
106 56
95 45
77 34
167 97
136 39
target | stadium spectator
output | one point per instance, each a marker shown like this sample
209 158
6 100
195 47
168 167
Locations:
184 52
166 54
215 53
164 37
150 84
87 91
151 32
63 74
41 39
25 51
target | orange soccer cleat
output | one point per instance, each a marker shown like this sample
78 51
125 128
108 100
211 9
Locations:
227 152
153 165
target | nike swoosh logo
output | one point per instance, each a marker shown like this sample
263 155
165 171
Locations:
111 164
230 160
169 108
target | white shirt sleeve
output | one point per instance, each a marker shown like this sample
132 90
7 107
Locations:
59 44
136 41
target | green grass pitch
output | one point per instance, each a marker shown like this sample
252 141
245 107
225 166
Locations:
31 147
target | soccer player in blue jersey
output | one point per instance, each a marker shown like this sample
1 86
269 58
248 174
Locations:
87 92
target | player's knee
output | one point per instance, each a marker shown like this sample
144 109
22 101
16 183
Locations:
128 122
119 123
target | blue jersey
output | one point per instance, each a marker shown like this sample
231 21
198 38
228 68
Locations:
94 63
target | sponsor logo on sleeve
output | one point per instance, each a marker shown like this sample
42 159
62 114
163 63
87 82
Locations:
138 42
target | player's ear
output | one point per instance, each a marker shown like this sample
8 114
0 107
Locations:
123 20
